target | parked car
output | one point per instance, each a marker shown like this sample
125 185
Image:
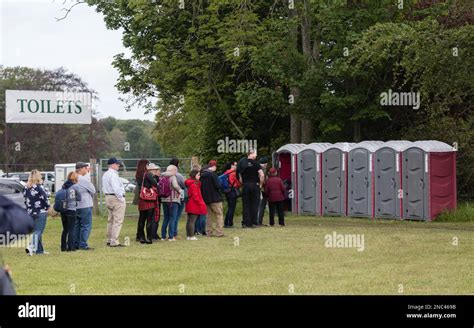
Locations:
20 176
129 187
48 180
13 189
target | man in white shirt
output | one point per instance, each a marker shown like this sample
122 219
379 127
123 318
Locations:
114 192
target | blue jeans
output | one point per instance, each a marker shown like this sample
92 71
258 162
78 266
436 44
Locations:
200 223
36 243
82 227
178 216
170 211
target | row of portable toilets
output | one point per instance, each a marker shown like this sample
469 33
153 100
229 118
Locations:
394 179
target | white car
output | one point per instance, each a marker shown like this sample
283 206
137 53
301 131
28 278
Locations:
129 187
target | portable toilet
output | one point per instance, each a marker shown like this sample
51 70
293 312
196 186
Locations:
388 178
334 177
60 174
284 159
360 179
309 178
429 179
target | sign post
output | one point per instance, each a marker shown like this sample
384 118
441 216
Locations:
47 107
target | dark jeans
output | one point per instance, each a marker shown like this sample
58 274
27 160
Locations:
146 216
281 214
67 237
82 227
200 224
261 208
190 224
250 200
154 229
231 204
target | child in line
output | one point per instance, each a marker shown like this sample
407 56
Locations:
195 205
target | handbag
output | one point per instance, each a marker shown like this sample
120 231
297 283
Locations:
149 194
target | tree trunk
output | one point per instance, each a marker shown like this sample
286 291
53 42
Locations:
357 134
295 120
306 124
306 131
295 129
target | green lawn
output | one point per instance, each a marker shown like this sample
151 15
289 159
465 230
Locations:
418 257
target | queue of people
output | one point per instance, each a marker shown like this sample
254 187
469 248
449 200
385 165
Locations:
74 204
201 195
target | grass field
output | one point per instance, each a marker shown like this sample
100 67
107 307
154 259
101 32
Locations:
398 258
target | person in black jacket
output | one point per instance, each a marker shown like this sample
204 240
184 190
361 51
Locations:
251 176
211 193
14 220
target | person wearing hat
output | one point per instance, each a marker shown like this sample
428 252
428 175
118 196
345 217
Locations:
83 225
251 175
114 192
211 193
182 185
263 196
170 203
275 191
145 177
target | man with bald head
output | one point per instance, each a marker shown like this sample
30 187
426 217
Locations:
251 176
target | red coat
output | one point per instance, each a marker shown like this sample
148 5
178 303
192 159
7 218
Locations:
275 189
234 182
195 203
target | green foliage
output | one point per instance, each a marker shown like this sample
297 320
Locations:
464 213
228 68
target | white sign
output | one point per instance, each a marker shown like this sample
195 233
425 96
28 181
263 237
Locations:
48 107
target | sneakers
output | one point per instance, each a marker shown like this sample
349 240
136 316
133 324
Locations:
172 239
191 238
29 251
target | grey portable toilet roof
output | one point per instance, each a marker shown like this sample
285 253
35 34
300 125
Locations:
319 147
398 145
344 146
370 145
433 146
292 148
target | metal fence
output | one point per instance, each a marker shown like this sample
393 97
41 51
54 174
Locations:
127 172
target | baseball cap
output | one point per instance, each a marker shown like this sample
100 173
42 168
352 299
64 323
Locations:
80 165
114 160
212 162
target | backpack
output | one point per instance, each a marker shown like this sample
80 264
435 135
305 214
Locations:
224 181
60 201
164 187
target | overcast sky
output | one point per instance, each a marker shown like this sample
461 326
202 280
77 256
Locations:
31 36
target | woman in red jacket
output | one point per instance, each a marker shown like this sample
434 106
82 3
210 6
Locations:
275 190
195 205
